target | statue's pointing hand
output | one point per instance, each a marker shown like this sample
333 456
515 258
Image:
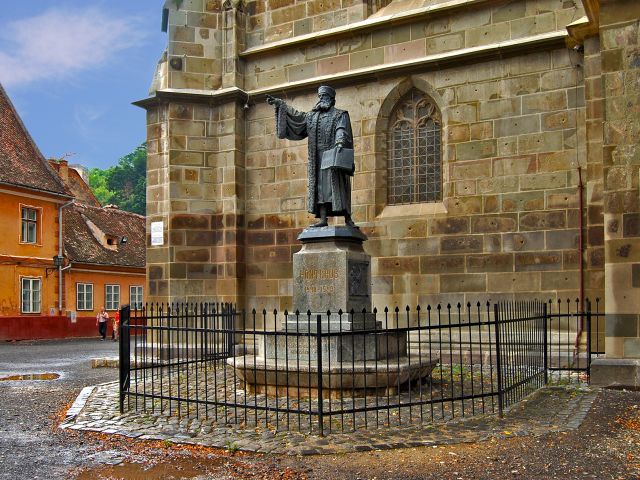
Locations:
274 101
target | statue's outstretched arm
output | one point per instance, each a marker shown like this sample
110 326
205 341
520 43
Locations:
290 123
274 101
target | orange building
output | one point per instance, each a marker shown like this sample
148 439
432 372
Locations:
54 280
105 254
31 200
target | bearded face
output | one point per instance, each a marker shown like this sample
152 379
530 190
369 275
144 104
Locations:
325 102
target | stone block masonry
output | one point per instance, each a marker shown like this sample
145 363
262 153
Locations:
195 179
528 206
397 42
520 113
620 130
212 164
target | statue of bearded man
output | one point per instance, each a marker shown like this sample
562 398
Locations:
327 129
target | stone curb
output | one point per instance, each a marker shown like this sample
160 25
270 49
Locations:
77 406
112 362
109 362
81 401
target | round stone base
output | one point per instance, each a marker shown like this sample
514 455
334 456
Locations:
350 379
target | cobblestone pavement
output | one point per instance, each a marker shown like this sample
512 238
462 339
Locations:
551 409
202 391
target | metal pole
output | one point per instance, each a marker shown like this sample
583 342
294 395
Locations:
544 343
320 401
589 341
498 360
124 351
61 303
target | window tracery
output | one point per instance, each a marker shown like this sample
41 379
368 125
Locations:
415 159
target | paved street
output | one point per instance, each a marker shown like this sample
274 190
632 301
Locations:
606 444
33 447
29 447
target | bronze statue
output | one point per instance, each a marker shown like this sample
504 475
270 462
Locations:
330 153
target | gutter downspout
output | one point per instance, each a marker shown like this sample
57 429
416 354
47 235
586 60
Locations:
581 241
60 269
576 345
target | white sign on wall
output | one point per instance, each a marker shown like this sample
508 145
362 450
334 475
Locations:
74 317
157 235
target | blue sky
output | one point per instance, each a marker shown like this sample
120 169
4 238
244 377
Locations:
72 69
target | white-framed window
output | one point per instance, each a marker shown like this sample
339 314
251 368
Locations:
112 297
135 297
29 225
84 296
31 294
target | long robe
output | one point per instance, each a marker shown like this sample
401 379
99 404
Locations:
324 130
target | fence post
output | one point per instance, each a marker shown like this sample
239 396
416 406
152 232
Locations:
498 360
229 327
544 342
320 387
124 354
589 340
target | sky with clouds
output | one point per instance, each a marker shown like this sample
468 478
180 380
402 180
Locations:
72 69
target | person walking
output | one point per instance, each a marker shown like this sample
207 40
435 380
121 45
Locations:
101 323
116 326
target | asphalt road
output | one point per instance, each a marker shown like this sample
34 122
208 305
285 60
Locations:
30 445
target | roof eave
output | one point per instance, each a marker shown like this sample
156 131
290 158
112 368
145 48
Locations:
112 265
39 190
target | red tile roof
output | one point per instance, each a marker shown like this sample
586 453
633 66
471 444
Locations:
21 163
74 183
86 230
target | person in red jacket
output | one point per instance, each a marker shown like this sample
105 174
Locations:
116 326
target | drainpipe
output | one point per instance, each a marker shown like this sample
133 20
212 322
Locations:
60 269
576 345
581 240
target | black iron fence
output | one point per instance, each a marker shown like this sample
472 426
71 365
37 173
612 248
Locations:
576 334
344 371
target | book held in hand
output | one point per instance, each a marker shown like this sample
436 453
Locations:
342 160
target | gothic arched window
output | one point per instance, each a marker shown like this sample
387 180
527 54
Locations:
415 159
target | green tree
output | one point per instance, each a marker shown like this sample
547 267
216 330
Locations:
124 184
128 180
98 181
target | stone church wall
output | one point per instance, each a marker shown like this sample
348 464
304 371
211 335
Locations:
441 34
275 20
620 87
508 223
195 178
520 113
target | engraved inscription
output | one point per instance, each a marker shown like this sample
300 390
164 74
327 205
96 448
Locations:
319 274
320 288
314 280
358 279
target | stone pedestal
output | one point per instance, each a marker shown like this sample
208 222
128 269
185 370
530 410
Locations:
332 273
334 332
346 347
